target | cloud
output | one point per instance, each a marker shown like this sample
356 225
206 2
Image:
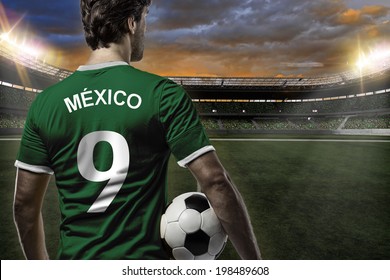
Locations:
230 37
56 21
376 11
310 64
363 16
350 16
178 14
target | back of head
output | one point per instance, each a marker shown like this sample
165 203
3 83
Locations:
105 21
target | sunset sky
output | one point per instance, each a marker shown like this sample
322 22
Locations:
219 38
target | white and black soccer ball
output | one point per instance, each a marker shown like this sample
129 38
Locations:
190 230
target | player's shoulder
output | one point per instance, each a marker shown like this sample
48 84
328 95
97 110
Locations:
44 94
154 78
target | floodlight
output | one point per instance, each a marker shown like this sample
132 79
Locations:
18 48
377 58
4 36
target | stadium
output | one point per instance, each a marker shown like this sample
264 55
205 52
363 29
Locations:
309 154
351 102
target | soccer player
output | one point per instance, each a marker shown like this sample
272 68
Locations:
106 133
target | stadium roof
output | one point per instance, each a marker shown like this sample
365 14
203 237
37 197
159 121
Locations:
279 82
29 61
260 82
22 58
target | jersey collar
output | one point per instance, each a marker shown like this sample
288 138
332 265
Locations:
101 65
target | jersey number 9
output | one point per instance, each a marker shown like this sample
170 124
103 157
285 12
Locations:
115 176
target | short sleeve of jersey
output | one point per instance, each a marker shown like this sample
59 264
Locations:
184 132
32 155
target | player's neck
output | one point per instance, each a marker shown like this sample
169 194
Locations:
116 52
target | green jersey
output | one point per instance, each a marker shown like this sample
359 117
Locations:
107 132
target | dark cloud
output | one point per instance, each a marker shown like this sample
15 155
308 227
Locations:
178 14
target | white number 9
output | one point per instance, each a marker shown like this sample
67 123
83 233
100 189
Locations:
116 175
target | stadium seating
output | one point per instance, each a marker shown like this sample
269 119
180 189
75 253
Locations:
266 124
11 121
336 100
364 103
13 98
237 124
374 122
248 115
235 114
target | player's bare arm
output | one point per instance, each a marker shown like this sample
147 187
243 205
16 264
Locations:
227 203
29 193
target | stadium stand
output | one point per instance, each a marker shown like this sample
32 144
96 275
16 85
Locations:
14 98
11 121
370 122
300 124
344 105
342 101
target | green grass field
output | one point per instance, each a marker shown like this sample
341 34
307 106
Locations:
307 199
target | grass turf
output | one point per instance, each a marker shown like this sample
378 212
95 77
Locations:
307 200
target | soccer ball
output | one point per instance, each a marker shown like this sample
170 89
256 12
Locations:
190 230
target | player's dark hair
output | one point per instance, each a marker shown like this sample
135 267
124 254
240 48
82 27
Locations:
105 21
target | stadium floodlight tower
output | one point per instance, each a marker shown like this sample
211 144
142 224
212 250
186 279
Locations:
28 55
18 48
377 60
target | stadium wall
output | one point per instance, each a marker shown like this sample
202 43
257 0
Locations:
357 132
11 131
355 86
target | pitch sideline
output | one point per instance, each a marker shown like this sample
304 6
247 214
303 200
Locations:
270 140
296 140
